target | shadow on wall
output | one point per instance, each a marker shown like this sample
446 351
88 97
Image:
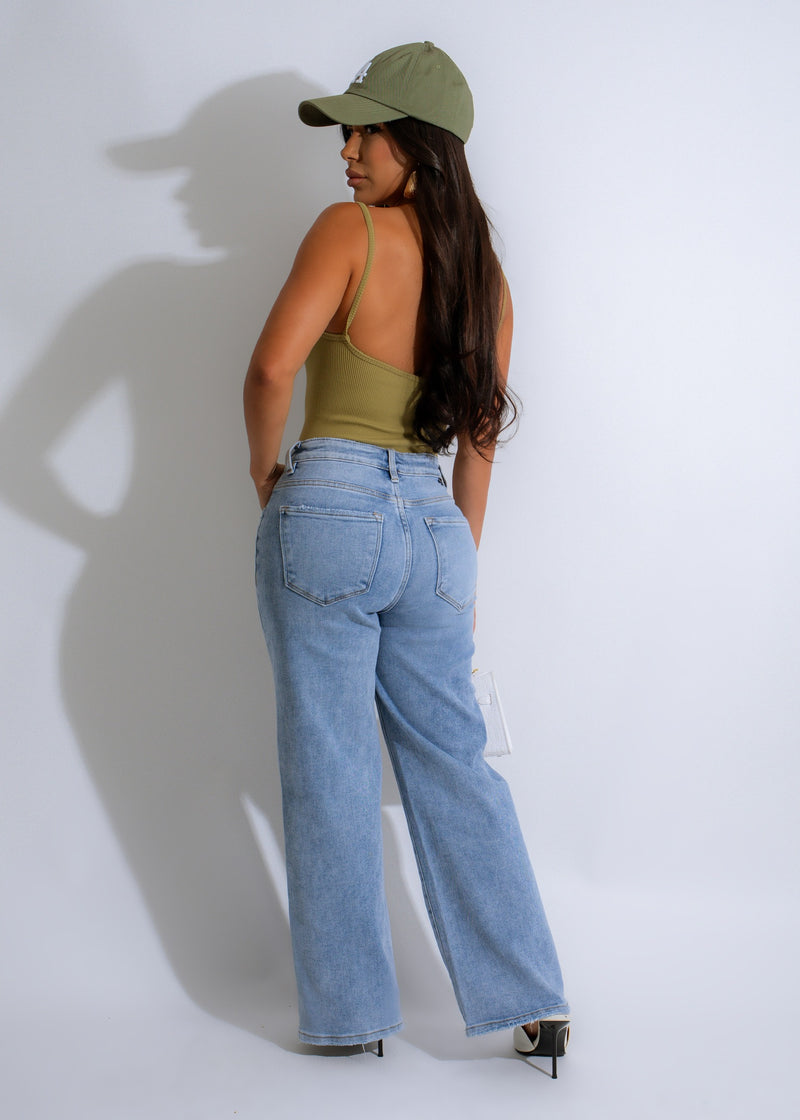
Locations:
164 673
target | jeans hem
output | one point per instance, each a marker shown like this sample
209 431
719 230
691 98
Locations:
517 1020
348 1039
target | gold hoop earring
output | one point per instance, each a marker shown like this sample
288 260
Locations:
410 189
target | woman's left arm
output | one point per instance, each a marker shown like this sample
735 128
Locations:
307 303
471 471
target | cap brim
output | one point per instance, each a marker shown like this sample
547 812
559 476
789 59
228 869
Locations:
345 108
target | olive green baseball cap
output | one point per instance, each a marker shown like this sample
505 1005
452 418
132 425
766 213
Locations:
416 80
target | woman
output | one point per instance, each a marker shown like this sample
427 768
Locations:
366 568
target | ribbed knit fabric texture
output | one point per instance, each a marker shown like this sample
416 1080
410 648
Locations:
352 396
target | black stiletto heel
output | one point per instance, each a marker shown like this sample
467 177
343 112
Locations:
380 1047
550 1042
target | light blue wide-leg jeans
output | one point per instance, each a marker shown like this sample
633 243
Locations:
366 572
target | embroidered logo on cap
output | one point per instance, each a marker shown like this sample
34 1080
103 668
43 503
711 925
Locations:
361 75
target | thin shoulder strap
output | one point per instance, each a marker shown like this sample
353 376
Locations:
367 267
504 304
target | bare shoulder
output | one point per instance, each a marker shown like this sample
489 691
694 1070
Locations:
339 220
338 234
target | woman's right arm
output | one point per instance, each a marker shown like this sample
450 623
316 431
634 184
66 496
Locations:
322 270
471 471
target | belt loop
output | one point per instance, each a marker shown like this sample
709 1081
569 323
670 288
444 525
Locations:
392 465
289 459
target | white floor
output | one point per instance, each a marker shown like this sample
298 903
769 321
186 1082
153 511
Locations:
684 1006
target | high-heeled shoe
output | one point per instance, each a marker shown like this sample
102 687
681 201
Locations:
551 1040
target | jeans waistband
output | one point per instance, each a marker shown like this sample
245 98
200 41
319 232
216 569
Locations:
395 463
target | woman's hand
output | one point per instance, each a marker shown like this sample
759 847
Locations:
265 486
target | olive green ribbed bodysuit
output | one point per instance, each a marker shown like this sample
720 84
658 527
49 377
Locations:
350 395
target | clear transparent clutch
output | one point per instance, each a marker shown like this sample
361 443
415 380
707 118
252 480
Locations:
498 740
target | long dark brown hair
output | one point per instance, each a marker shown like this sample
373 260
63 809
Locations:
462 293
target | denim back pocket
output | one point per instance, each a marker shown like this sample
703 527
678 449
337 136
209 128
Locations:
329 554
456 560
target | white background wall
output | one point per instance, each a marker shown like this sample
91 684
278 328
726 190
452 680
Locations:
639 591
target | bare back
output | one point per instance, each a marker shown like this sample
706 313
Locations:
386 325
